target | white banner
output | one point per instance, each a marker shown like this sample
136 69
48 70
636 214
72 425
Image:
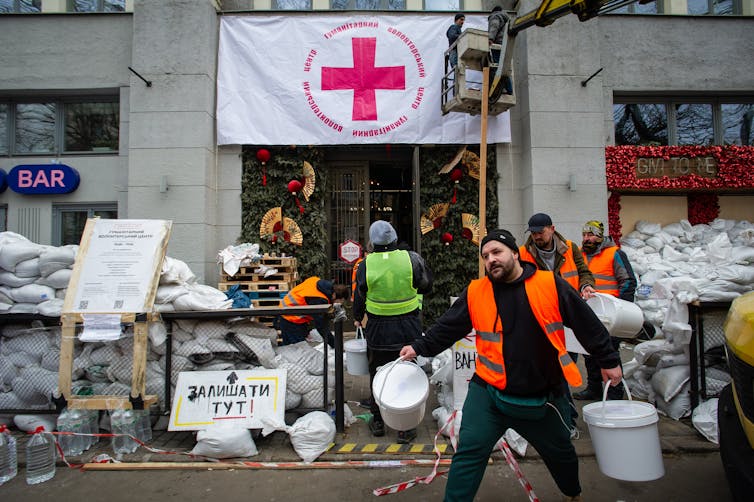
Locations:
339 79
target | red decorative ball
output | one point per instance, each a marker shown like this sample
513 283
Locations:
456 174
295 186
263 155
446 238
467 234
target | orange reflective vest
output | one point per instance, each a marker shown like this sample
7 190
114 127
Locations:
568 270
601 266
543 300
297 298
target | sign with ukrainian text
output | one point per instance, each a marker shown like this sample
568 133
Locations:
340 79
250 399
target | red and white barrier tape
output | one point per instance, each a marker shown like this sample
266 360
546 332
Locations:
425 480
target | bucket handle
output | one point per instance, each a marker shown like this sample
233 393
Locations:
359 333
604 395
384 379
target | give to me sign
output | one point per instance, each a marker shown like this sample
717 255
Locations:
245 398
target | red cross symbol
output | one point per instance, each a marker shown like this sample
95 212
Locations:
364 78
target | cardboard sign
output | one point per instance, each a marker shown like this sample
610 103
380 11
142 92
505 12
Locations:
244 397
464 366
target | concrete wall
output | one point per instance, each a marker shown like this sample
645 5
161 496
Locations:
56 55
173 126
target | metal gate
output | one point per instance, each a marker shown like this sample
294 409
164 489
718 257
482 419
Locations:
348 212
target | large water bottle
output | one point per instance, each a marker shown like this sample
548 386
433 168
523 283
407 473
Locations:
80 427
8 458
131 426
145 426
40 457
93 416
64 425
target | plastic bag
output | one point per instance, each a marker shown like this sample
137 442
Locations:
704 419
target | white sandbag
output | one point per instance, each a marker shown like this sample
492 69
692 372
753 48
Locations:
652 276
167 293
103 355
186 325
678 407
23 308
738 254
669 253
32 293
205 330
292 399
157 333
674 229
740 274
57 280
716 379
668 382
8 372
5 307
653 349
243 326
315 398
704 419
720 249
27 392
442 375
647 228
299 380
13 253
30 423
202 297
176 272
28 268
225 440
190 348
262 348
164 307
52 259
51 308
311 435
304 356
629 367
35 343
23 359
655 243
668 360
631 243
13 281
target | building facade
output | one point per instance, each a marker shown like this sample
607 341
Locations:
126 96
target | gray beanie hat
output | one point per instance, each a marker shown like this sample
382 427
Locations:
382 233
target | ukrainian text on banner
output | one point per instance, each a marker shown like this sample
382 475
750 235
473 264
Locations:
335 79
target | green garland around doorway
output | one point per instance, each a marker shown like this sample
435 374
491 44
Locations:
455 264
286 163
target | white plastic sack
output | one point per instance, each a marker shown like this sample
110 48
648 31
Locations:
29 423
32 293
224 440
57 280
28 268
668 382
704 419
13 253
311 435
202 297
14 281
678 407
176 272
52 259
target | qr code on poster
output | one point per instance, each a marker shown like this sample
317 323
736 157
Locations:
84 304
118 304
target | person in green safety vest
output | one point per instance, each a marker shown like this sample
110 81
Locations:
389 282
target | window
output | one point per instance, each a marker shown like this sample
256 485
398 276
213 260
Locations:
637 8
697 121
3 218
20 6
98 5
737 123
292 4
368 4
640 124
59 126
68 221
712 7
451 5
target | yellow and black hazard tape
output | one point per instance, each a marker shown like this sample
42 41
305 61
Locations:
391 448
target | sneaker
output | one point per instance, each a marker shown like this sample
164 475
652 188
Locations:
377 426
587 395
405 437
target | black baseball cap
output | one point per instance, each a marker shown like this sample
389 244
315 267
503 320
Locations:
538 222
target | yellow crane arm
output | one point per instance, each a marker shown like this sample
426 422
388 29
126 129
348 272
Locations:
550 10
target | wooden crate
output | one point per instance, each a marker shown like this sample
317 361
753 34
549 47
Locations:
260 286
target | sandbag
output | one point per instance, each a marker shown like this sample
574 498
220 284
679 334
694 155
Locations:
32 293
57 280
224 440
53 259
13 281
668 382
311 435
704 419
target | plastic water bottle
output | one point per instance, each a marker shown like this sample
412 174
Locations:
93 416
122 423
8 456
79 425
144 425
64 425
40 457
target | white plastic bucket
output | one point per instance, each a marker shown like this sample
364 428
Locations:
625 438
400 389
356 355
621 318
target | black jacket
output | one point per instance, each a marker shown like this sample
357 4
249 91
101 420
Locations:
530 359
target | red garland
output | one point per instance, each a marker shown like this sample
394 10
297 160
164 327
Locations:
702 207
733 168
613 216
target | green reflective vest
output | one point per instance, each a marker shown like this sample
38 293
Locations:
390 289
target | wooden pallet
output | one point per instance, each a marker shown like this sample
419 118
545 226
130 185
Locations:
246 286
267 302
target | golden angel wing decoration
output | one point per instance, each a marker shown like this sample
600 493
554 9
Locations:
272 217
292 232
310 180
450 165
471 161
470 224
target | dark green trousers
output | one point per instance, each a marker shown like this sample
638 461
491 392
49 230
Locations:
482 425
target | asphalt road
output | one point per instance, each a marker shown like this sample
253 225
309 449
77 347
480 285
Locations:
687 478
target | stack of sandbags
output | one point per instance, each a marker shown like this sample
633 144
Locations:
178 290
33 277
